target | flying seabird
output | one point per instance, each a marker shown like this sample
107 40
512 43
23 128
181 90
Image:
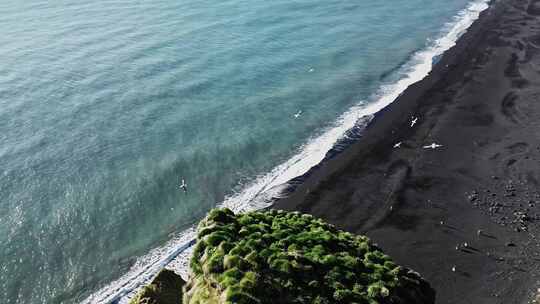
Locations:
398 145
297 115
413 121
183 186
432 146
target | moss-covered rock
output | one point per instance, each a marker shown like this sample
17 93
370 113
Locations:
283 257
166 288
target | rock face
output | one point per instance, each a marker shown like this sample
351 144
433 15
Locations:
282 257
166 288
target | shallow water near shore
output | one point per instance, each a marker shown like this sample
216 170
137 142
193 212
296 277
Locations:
105 106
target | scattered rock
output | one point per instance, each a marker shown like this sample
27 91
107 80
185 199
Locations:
473 196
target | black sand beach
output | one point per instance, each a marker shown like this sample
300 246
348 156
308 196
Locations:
482 187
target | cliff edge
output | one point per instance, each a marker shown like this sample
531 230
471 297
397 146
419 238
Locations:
288 257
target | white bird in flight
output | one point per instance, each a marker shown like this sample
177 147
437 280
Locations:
398 145
183 186
311 70
413 121
297 115
433 146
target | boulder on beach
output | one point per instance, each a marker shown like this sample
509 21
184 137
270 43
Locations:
166 288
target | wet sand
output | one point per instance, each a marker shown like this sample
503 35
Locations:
481 102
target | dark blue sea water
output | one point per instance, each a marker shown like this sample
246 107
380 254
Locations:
106 105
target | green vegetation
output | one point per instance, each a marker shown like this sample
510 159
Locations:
166 288
282 257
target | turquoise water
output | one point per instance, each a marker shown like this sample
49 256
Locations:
106 105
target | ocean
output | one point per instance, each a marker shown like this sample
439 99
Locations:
106 105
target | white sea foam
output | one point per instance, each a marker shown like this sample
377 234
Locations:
257 195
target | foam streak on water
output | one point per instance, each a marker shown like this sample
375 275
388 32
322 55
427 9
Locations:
258 194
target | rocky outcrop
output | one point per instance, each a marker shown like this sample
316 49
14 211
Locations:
276 257
282 257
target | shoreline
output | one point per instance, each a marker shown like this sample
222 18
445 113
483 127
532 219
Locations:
480 188
125 286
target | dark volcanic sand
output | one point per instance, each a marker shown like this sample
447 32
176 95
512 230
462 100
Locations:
482 102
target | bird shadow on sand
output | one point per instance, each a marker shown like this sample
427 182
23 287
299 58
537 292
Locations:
463 273
489 236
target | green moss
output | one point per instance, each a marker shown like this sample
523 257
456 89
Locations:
166 288
288 257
